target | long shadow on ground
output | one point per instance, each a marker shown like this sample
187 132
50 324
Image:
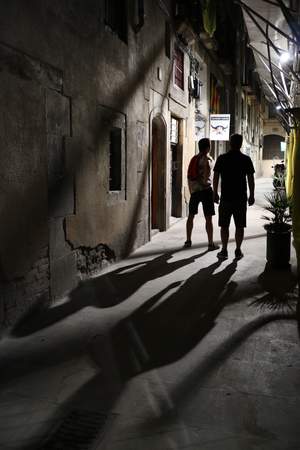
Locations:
279 287
104 291
185 389
108 289
162 331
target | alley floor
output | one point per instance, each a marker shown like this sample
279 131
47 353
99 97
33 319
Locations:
169 349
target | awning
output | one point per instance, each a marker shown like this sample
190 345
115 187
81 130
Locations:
274 37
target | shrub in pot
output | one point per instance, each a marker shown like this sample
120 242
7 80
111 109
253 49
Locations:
278 228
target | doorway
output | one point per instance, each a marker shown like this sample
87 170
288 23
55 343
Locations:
272 153
176 168
158 175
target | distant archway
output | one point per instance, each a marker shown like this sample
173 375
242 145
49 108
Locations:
271 147
271 153
158 174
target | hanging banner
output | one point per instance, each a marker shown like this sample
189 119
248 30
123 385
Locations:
219 127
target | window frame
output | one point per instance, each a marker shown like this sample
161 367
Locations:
115 159
180 67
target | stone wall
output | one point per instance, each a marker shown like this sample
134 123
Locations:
22 293
91 260
66 80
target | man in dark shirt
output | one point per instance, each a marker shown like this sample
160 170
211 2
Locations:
235 170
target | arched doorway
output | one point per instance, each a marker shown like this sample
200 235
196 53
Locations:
176 167
158 175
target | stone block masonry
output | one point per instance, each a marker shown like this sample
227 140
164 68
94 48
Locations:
26 67
92 260
20 294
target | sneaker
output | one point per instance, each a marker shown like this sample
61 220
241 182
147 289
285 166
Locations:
212 247
223 254
238 253
187 244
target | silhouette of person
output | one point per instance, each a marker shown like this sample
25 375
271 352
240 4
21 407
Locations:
199 181
235 170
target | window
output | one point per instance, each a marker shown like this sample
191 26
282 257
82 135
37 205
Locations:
116 17
168 39
139 15
178 68
174 130
115 159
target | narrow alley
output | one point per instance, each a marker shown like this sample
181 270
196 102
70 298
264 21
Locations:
149 225
168 349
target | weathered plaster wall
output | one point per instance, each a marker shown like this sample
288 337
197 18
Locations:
122 79
24 247
272 126
66 78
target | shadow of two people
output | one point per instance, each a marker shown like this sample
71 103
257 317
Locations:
163 330
107 290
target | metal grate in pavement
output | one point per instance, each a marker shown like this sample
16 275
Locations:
80 430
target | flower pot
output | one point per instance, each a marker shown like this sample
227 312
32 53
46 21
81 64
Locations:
278 247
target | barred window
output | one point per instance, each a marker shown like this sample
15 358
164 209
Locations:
115 159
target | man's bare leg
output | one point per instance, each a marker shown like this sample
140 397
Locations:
239 236
210 233
223 254
209 229
224 237
189 229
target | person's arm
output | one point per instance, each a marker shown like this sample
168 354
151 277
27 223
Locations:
192 170
215 186
189 184
188 175
251 184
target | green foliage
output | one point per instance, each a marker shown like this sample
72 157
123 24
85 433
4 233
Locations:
279 180
210 16
278 206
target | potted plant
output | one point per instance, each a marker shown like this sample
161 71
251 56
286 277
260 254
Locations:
278 228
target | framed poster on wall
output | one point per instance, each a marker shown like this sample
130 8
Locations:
219 126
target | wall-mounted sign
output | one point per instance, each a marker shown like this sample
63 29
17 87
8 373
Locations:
219 127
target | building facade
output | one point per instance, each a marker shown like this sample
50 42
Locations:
102 106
